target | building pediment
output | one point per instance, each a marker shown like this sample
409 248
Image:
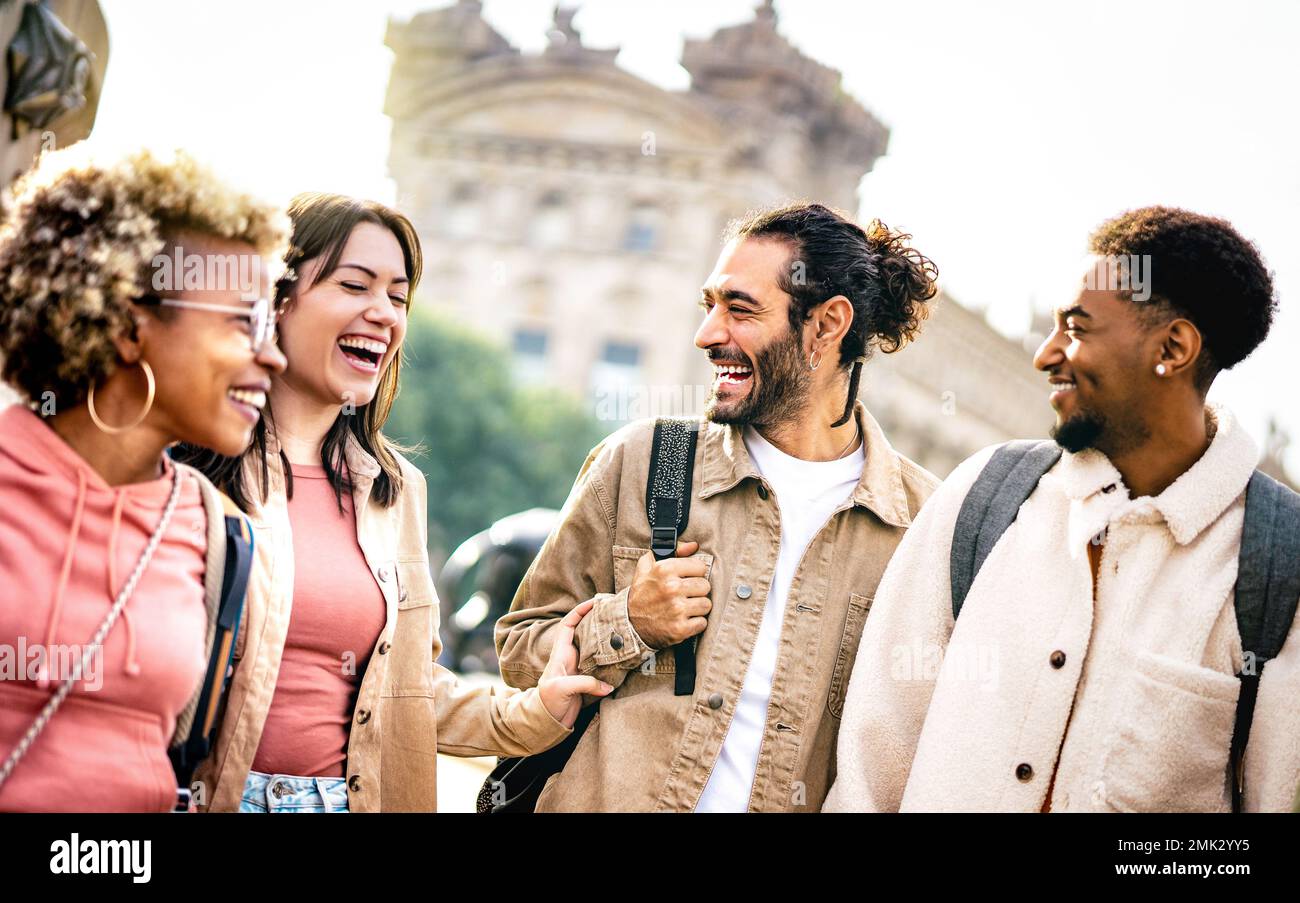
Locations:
540 99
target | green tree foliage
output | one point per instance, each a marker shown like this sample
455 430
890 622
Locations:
488 447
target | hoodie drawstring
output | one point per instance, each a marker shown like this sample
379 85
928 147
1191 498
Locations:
131 667
56 609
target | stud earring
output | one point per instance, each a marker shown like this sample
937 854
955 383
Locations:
1160 370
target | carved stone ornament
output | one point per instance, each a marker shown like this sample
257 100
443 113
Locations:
49 68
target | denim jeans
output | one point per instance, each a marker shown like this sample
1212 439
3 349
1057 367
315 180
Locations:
289 793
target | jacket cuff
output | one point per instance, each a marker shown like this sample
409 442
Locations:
542 731
606 636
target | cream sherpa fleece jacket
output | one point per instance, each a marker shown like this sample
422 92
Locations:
1139 714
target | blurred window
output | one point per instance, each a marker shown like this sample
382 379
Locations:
464 211
618 368
529 346
552 222
643 228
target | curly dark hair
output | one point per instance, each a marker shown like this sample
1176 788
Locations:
887 282
1202 269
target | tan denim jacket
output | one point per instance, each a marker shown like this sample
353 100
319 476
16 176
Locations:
409 708
648 749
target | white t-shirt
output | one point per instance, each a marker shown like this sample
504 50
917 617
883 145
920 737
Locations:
807 492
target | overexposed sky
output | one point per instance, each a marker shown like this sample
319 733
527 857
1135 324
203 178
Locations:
1016 126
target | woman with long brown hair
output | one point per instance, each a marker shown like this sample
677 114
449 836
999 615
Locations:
337 703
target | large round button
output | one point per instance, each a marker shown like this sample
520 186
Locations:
743 591
1024 772
363 715
616 641
402 596
384 647
383 575
715 701
354 783
762 492
1058 659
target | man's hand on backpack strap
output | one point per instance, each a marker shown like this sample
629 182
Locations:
669 600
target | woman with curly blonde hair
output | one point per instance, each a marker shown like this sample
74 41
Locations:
102 537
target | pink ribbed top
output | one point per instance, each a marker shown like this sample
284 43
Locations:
338 613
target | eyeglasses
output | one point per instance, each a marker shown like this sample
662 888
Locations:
261 323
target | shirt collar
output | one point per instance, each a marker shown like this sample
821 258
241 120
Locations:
880 488
1198 497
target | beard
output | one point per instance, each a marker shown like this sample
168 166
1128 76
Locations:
1079 432
779 385
1090 429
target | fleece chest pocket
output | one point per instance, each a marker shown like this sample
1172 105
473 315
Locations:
1168 751
847 652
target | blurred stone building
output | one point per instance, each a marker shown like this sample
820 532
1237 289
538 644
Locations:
572 210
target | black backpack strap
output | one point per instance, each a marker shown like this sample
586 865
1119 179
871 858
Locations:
1265 596
668 507
516 784
991 505
187 755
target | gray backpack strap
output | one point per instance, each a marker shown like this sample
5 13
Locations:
1265 597
1268 567
991 505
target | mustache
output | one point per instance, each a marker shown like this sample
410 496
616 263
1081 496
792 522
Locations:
730 354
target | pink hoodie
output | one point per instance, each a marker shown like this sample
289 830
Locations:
68 543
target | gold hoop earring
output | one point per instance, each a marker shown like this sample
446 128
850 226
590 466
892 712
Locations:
148 404
811 365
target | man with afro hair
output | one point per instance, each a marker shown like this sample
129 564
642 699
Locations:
1118 591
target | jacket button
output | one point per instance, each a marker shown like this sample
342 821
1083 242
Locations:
715 701
1024 772
363 715
1058 659
402 596
743 591
762 492
383 575
616 641
384 647
354 783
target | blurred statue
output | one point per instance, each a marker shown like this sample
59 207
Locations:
53 71
56 52
478 583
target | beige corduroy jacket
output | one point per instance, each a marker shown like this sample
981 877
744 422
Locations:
648 749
